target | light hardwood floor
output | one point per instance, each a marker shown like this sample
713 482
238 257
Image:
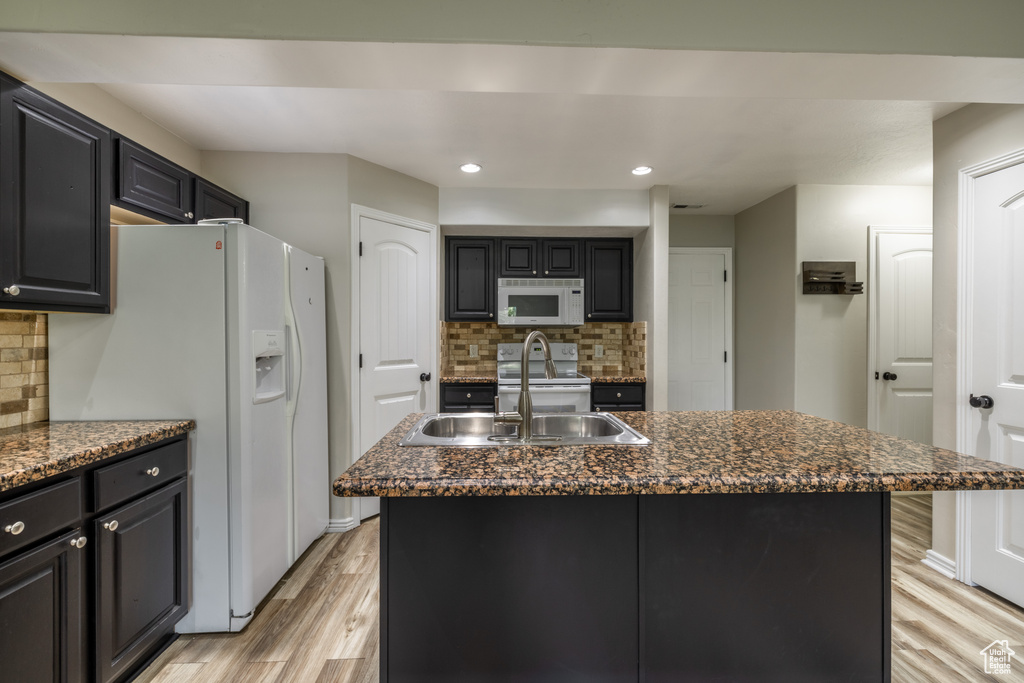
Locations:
320 623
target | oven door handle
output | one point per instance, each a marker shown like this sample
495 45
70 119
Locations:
544 387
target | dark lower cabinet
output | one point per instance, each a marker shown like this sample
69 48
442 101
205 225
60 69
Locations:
91 585
41 610
617 397
142 578
54 205
468 398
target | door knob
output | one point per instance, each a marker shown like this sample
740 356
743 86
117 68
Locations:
983 402
424 376
888 375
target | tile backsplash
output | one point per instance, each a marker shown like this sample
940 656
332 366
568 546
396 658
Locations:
24 386
625 347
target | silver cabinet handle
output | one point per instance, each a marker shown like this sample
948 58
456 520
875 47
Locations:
490 315
619 395
153 471
79 542
535 272
15 529
469 395
13 290
546 272
590 315
189 215
110 526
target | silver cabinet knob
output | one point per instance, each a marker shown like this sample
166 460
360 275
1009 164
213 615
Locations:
490 315
153 471
15 529
110 526
469 395
13 290
189 215
535 272
79 542
618 395
590 315
545 272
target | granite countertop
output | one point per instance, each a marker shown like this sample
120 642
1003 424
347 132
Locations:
43 449
468 379
690 452
484 379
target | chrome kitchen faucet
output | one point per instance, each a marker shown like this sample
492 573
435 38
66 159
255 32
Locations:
523 416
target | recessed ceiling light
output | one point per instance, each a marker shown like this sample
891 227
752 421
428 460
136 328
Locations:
471 168
642 170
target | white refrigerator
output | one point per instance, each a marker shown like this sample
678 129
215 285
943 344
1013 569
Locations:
224 324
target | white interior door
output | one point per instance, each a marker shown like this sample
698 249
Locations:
700 330
397 329
997 362
901 303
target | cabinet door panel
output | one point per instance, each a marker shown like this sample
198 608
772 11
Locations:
561 258
216 202
55 208
40 613
518 257
609 280
471 283
149 182
142 575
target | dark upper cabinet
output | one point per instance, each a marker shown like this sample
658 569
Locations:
54 205
41 612
518 257
471 278
149 184
216 202
550 258
561 258
609 279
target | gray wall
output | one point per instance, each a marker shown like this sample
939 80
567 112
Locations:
832 331
765 308
701 231
305 199
968 136
940 27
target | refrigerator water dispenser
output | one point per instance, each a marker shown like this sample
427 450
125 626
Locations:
268 366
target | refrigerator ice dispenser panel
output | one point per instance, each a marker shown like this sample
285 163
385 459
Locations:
268 365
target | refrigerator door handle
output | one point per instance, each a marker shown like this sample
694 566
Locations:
294 365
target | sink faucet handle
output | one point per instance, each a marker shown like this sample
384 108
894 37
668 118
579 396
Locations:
495 405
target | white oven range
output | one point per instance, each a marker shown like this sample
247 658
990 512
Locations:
568 392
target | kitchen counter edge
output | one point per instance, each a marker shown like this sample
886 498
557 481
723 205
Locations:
35 452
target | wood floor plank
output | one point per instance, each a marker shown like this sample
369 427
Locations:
321 623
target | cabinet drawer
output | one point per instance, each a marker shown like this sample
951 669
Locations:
117 483
469 395
620 394
37 515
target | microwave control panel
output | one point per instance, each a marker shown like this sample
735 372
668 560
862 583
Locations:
575 306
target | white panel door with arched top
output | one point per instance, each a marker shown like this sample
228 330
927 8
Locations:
397 329
996 358
900 288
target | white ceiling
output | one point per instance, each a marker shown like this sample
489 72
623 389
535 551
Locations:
725 129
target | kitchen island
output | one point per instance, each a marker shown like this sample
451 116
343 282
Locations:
597 563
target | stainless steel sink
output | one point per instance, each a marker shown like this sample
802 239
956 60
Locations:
549 429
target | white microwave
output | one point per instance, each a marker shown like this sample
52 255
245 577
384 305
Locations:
539 302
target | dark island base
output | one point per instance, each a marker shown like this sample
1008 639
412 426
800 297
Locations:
728 587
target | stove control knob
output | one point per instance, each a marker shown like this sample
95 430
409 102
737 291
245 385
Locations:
572 352
565 351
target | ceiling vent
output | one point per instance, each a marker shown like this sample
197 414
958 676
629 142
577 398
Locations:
688 206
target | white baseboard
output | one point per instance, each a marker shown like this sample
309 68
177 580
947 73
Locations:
337 526
940 563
